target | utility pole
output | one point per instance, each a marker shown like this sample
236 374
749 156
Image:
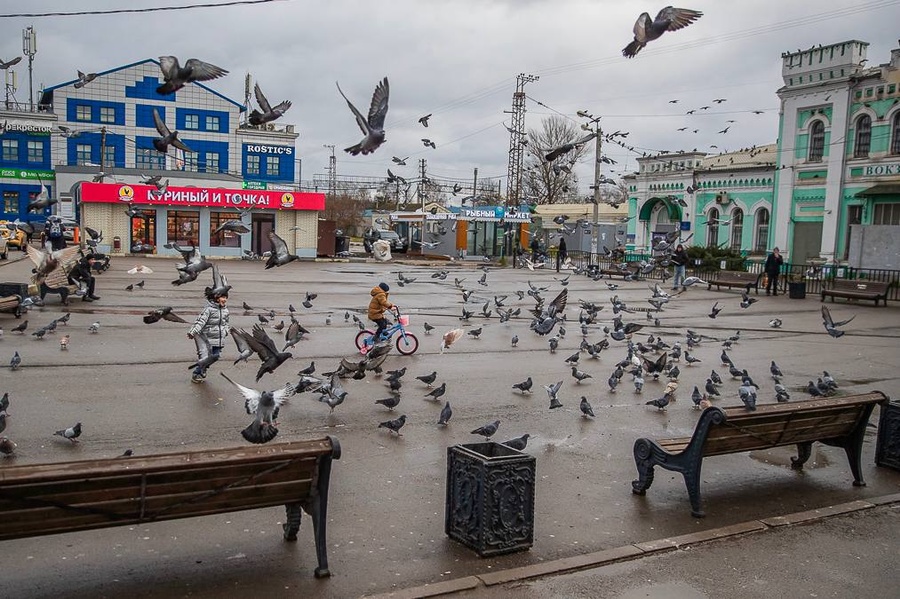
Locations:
516 139
475 184
598 138
102 153
332 172
29 48
423 179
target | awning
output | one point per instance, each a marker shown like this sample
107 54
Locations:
882 189
673 208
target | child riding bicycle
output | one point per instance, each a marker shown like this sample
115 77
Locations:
378 304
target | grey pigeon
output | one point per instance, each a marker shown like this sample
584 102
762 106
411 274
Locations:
647 29
177 76
163 314
446 414
781 393
437 392
552 392
373 126
711 388
243 347
266 113
515 340
714 377
565 149
428 379
519 443
696 397
204 353
72 433
333 393
748 396
580 375
2 421
263 405
4 402
715 310
488 430
660 402
389 402
15 361
265 348
690 359
394 426
586 410
280 254
524 386
168 137
84 79
829 380
831 325
776 372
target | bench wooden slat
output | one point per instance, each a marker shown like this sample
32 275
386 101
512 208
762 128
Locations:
837 421
856 289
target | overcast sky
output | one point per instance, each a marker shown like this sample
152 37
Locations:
458 60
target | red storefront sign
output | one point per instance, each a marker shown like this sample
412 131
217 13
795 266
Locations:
201 196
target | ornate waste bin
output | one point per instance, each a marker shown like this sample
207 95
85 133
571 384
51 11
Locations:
887 449
490 498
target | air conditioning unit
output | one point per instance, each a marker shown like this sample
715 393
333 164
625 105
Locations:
722 198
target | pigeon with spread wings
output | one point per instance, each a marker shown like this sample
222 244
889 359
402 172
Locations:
168 138
831 326
280 254
163 314
177 76
263 405
647 29
265 348
267 112
373 126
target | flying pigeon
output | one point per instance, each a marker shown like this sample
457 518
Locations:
72 433
176 76
552 392
280 254
168 138
568 147
715 310
450 337
488 430
266 113
263 405
373 126
647 30
831 325
424 120
84 79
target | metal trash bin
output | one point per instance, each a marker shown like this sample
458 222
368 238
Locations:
117 244
341 242
490 498
887 448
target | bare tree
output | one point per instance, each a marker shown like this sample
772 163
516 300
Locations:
551 182
346 209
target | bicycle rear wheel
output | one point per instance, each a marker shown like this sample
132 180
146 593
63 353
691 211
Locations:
362 336
407 344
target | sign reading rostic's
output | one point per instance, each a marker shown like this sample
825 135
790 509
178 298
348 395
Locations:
202 196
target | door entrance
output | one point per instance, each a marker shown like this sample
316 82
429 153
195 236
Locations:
143 232
260 227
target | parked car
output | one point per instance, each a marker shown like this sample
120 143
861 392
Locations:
14 237
398 244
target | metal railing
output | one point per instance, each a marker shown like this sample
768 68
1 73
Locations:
815 277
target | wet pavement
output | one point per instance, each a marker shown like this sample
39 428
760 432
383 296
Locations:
129 385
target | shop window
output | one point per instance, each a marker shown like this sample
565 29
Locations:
228 239
83 112
213 123
762 230
252 165
886 214
712 228
10 150
35 151
149 158
816 141
82 154
183 227
273 166
191 121
107 114
212 162
11 202
895 134
863 136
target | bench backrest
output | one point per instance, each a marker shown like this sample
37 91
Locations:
855 285
736 274
773 425
64 497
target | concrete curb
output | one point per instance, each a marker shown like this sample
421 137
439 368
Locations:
630 552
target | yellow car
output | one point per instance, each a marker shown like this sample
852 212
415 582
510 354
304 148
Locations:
14 237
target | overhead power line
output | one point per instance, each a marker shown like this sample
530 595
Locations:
117 11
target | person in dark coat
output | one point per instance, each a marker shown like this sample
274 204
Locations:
773 268
680 260
561 253
535 248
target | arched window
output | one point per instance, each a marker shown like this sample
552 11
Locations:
863 137
712 228
816 141
737 228
895 134
762 230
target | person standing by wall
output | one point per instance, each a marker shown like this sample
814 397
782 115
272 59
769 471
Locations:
535 248
680 260
773 268
561 253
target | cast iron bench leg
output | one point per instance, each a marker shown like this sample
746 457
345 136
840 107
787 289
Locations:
293 515
644 461
692 482
804 450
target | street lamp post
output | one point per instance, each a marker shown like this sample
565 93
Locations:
595 232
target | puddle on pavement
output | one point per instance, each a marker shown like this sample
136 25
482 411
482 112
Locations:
782 457
668 590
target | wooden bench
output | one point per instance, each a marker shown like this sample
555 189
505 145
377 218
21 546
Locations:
11 303
44 499
58 282
736 278
839 422
865 290
617 272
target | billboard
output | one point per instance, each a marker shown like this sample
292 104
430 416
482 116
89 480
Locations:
211 197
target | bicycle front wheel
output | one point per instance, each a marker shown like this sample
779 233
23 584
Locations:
407 344
362 336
